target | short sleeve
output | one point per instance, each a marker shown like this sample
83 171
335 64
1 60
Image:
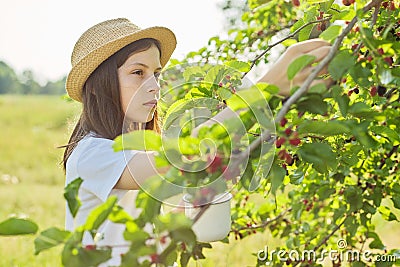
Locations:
100 167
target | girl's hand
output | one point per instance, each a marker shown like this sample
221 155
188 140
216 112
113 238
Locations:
277 75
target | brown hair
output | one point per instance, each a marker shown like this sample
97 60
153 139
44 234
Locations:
102 113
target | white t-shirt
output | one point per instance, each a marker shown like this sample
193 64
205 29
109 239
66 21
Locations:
100 168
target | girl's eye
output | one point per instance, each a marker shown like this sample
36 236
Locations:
138 72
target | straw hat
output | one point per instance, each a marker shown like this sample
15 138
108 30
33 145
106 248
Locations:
104 39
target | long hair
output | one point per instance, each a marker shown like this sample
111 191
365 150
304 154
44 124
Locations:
102 113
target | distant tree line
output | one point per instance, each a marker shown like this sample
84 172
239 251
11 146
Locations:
11 83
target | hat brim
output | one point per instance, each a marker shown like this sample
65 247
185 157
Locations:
85 67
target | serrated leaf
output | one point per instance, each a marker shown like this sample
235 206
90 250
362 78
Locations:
320 155
298 64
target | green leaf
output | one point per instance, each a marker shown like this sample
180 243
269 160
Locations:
193 71
340 64
181 106
313 103
331 33
238 65
81 257
138 140
320 155
50 238
354 197
328 128
377 242
119 215
277 174
214 75
71 195
360 74
304 34
100 214
396 201
298 64
17 226
385 131
343 103
387 214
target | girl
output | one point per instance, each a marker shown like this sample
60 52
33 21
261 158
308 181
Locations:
115 69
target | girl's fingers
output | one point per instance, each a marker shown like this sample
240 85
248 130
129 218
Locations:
319 53
307 46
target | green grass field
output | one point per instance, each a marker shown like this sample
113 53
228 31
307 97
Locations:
32 181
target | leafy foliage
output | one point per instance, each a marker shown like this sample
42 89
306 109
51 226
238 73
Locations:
325 168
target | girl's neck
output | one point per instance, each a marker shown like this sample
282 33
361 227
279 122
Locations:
133 126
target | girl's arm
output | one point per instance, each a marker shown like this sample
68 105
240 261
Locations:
138 169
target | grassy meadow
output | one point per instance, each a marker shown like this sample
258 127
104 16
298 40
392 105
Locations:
32 182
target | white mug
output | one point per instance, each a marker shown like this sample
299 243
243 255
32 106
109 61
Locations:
215 223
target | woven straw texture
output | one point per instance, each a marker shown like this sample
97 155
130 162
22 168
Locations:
104 39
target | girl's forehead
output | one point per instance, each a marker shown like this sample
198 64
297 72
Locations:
150 56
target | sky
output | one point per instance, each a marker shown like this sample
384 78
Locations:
39 35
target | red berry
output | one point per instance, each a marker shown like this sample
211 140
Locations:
259 33
163 239
220 84
296 2
206 191
369 58
283 122
381 90
392 7
280 141
230 173
346 2
354 47
288 131
295 141
380 51
289 159
350 92
389 60
373 91
214 164
385 4
154 258
90 247
282 154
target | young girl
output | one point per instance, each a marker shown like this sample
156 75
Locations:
115 69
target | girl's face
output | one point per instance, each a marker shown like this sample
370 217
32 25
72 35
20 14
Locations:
139 88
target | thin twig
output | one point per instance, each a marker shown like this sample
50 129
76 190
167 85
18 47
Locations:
254 61
265 223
